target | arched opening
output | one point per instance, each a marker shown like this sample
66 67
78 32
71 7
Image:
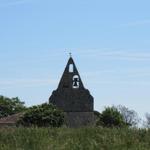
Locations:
76 82
71 69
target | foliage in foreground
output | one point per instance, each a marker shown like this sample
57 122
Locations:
45 115
10 106
74 139
111 117
117 116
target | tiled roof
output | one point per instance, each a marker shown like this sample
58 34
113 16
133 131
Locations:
11 119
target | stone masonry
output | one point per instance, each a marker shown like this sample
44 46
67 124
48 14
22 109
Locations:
73 98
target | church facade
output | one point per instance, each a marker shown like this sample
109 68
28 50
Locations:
72 97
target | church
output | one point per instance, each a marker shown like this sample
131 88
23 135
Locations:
73 98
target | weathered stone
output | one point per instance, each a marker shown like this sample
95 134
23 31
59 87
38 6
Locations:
79 119
73 98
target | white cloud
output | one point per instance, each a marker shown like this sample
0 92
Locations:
116 54
27 82
96 82
136 23
13 3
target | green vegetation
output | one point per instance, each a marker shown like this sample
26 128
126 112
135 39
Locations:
10 106
74 139
114 129
111 117
45 115
130 116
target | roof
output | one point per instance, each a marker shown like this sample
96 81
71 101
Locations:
11 119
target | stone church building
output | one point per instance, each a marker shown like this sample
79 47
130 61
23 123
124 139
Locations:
72 97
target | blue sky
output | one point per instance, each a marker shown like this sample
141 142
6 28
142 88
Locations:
109 41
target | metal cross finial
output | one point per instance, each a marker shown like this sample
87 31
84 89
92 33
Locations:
70 54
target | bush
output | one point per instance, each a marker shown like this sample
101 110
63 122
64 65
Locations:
45 115
10 106
111 117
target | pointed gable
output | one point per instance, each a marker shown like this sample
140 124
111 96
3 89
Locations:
71 96
71 78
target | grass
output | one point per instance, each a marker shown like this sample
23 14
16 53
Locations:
74 139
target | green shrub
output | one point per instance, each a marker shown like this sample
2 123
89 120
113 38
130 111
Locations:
111 117
45 115
10 106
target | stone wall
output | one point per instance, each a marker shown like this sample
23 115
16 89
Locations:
70 100
79 119
73 98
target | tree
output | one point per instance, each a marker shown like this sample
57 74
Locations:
147 124
111 117
10 106
130 117
45 115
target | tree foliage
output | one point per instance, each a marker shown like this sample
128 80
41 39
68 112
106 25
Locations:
111 117
147 123
45 115
10 106
130 117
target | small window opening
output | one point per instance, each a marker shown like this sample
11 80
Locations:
71 68
76 82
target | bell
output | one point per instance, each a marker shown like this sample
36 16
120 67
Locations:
75 82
